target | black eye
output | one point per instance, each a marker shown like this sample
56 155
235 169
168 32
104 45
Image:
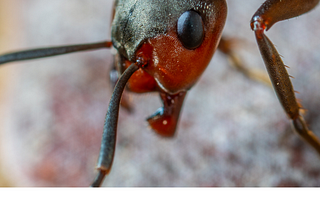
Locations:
190 29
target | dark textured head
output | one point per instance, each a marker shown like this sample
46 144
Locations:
176 38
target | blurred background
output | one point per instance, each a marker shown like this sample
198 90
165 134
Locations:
232 131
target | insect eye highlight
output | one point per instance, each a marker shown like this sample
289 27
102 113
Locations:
190 29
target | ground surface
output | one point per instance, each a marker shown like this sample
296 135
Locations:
232 130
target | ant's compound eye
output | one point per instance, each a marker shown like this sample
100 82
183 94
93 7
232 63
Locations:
190 29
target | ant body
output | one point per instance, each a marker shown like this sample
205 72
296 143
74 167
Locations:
216 135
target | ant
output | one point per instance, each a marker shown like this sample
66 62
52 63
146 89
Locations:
217 124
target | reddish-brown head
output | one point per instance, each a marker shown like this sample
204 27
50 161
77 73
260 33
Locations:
177 58
174 38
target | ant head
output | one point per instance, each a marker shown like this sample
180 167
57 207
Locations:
176 42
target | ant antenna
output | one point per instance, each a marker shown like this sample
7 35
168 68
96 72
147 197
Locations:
51 51
108 141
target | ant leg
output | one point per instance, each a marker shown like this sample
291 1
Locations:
164 120
268 14
226 46
301 127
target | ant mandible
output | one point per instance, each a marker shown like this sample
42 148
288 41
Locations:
187 85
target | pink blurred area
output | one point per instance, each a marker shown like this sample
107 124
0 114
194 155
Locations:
232 131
